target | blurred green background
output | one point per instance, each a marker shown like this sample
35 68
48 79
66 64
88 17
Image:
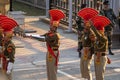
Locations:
29 10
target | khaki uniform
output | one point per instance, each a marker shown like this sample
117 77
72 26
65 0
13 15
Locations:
86 57
53 43
51 66
4 6
100 58
52 57
9 51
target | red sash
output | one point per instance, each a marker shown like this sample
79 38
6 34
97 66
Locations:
52 53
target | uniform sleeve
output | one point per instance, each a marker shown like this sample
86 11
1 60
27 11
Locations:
102 12
113 14
57 41
103 39
81 36
11 48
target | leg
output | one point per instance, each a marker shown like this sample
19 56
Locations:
79 48
100 68
51 67
85 67
108 33
110 43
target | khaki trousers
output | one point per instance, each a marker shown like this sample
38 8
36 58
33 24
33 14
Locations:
85 66
100 67
51 67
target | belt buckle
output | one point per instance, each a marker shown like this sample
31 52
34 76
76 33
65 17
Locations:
103 54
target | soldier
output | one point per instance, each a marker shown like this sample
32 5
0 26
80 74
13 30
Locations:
7 24
100 46
53 42
80 28
87 40
9 51
108 12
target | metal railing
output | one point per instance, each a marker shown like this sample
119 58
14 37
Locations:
64 6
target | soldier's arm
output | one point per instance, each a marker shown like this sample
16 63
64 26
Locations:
114 17
101 12
57 40
113 14
103 38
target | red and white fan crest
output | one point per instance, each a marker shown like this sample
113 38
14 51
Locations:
87 13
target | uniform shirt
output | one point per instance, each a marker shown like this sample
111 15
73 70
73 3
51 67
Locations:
86 41
9 51
52 38
101 44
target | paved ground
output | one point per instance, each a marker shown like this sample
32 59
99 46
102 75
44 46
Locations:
30 58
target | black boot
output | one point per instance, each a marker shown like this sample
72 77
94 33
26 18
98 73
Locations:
79 54
110 52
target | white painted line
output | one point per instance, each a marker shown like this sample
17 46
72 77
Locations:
67 62
59 71
68 75
25 69
117 70
37 62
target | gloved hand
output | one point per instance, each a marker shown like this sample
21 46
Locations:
9 67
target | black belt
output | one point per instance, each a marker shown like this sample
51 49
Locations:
102 54
55 49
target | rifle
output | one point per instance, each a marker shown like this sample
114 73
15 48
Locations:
35 36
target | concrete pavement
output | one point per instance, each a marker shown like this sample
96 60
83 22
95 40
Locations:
30 58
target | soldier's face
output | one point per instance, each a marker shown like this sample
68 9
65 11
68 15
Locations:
6 38
106 6
87 25
52 28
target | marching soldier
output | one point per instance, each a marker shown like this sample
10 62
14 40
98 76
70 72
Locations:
87 40
7 24
80 28
108 12
53 42
100 46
